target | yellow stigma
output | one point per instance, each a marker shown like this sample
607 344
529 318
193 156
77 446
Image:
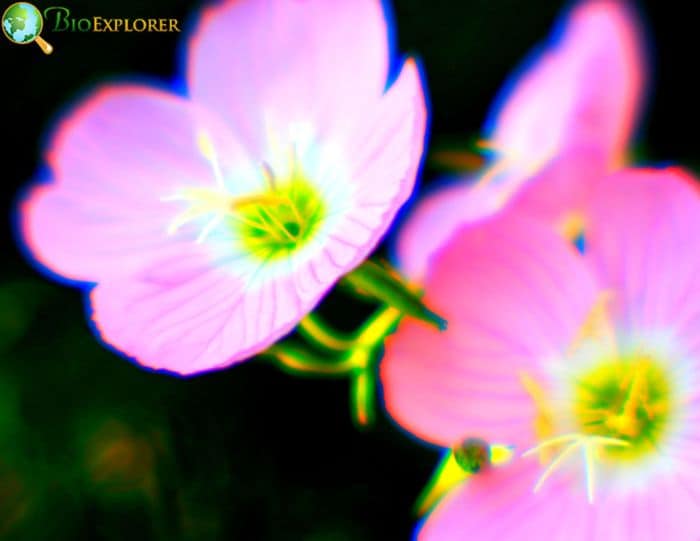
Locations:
620 407
281 220
270 223
627 398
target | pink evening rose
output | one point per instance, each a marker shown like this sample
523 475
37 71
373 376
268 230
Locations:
564 124
213 223
588 364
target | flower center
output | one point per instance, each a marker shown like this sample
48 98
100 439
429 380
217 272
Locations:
621 407
270 224
280 220
628 399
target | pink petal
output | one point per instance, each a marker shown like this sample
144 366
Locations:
264 64
663 511
188 314
114 160
514 296
643 242
436 218
385 152
562 188
566 121
499 504
584 91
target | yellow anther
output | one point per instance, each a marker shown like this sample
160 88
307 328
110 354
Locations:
544 418
500 454
218 205
598 325
627 423
626 397
572 226
206 145
278 217
259 199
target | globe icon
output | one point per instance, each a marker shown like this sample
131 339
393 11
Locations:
22 23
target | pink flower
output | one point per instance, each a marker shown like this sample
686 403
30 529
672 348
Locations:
590 361
563 127
212 224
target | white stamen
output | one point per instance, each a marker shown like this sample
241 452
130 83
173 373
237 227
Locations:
183 218
590 445
555 463
550 442
206 147
588 451
269 175
605 441
203 202
216 220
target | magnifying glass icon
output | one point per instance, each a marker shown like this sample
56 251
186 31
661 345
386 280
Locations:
22 23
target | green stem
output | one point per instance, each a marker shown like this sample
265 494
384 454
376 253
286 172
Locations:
297 359
356 362
367 340
315 331
383 283
362 396
446 476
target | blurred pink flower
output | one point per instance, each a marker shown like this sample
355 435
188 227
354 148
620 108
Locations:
212 224
563 127
590 360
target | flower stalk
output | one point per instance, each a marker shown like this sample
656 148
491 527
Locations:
352 356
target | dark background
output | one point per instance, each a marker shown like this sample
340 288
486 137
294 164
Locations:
92 447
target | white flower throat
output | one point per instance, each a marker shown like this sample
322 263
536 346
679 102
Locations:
620 405
270 224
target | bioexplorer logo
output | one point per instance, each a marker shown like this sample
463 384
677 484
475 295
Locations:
22 23
60 19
